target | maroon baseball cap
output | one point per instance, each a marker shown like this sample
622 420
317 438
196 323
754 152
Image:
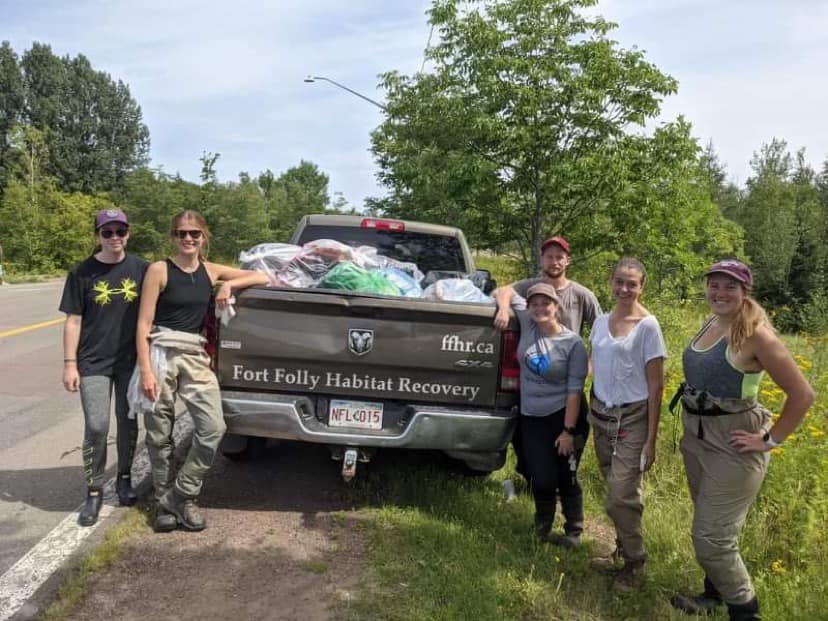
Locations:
107 216
558 240
735 269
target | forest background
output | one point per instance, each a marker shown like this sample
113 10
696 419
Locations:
529 121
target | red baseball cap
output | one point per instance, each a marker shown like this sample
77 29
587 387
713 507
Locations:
735 269
557 240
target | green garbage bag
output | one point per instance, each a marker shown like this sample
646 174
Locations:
351 277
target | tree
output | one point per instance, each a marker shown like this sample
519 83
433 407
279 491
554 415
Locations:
93 126
517 132
12 100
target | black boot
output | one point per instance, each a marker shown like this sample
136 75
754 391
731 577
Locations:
544 517
573 510
184 508
126 495
703 604
91 508
744 612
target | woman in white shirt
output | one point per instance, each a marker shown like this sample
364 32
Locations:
628 354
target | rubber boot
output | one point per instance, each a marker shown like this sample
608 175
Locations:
702 604
744 612
123 486
544 517
91 507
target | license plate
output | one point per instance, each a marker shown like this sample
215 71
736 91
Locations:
358 414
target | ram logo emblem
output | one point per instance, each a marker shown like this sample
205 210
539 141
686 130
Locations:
360 341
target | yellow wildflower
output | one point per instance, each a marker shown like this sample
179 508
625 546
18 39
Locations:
778 567
777 451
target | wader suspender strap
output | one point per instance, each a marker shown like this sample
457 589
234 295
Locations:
672 409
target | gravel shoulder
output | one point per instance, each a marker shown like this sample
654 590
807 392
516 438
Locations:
282 543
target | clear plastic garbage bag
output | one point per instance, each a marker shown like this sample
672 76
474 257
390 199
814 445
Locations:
456 290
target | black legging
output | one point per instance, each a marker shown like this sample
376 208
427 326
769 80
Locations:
550 475
582 429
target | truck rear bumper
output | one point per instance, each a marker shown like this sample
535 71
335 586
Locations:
292 417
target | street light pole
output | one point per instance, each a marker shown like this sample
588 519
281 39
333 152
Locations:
313 78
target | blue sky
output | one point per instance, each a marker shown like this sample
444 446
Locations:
227 77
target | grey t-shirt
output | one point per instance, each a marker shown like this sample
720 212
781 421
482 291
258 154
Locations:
579 306
551 367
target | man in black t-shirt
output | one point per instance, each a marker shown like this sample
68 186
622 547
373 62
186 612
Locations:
100 299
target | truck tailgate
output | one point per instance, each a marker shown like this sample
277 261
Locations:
326 342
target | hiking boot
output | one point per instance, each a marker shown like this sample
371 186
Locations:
702 604
165 521
565 541
608 565
744 612
630 577
184 508
123 486
91 508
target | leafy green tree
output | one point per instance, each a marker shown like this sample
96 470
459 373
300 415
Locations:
93 126
12 100
519 128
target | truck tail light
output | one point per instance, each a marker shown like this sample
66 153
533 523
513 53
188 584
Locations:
509 365
382 225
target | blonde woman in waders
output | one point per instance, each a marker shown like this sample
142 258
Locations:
174 304
628 355
727 434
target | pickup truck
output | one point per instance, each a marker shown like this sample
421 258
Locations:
359 372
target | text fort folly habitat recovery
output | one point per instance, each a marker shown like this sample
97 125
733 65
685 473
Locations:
319 381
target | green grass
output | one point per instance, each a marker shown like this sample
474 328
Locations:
74 588
444 547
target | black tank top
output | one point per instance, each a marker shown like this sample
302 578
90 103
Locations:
183 303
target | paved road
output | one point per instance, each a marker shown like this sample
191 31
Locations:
40 465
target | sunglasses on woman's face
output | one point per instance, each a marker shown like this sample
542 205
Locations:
107 233
183 233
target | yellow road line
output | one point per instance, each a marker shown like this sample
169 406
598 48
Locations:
34 326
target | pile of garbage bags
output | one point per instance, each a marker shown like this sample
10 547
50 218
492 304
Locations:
329 264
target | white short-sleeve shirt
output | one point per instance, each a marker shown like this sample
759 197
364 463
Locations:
618 364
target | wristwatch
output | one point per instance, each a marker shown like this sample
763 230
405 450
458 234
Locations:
768 439
569 430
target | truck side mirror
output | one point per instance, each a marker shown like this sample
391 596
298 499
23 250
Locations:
483 280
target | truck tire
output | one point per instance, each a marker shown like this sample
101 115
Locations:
242 448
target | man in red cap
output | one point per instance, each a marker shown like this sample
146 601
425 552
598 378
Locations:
578 308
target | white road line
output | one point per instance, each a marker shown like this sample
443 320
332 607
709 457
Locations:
27 575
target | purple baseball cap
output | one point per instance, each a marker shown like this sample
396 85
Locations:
735 269
107 216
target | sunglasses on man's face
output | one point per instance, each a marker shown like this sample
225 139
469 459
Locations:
107 233
183 233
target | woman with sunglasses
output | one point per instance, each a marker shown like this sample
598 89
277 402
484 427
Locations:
174 303
100 299
553 368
